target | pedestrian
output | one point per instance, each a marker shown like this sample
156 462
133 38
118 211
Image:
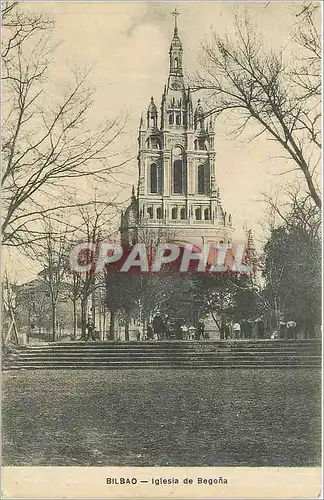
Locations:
282 330
90 328
274 335
150 332
237 330
291 330
178 331
259 328
191 332
249 329
200 330
184 330
158 326
168 329
243 329
227 332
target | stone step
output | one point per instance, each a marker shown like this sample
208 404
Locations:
169 350
164 354
177 355
41 366
180 345
234 360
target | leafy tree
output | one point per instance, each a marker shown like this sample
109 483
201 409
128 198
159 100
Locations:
292 271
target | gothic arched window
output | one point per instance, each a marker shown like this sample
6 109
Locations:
183 213
178 177
178 120
171 119
150 212
153 143
176 63
201 179
198 213
159 213
154 178
174 213
206 214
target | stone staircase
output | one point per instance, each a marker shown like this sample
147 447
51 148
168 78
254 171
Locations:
167 354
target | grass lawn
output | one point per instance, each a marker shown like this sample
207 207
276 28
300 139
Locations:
241 417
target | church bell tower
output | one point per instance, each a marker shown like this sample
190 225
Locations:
177 192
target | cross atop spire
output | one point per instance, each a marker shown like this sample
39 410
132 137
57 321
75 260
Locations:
175 14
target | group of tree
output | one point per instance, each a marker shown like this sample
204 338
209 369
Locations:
50 141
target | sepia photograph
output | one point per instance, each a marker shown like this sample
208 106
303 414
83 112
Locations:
161 264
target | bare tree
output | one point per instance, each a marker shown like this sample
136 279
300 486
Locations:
307 74
96 222
49 137
53 256
260 86
298 210
9 326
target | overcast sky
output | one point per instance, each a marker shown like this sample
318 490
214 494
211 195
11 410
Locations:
127 44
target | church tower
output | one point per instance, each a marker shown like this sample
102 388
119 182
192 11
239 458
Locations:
177 193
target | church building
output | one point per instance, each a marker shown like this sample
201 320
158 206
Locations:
177 193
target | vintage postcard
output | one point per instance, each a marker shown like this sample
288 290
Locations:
161 249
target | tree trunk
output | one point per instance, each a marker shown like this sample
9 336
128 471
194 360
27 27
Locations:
75 324
54 319
93 308
127 327
84 304
104 324
112 325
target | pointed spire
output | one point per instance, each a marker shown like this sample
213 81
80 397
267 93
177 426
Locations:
176 52
152 115
175 14
141 125
251 250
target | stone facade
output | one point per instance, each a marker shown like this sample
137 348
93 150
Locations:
177 192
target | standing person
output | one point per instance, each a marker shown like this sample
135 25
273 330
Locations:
90 329
158 326
243 329
249 329
178 331
192 332
237 330
259 328
227 332
168 329
150 332
184 330
200 330
274 335
282 330
291 330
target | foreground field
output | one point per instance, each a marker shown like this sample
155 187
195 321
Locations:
164 418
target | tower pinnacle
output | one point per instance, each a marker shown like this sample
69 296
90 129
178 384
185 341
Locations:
176 51
175 14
